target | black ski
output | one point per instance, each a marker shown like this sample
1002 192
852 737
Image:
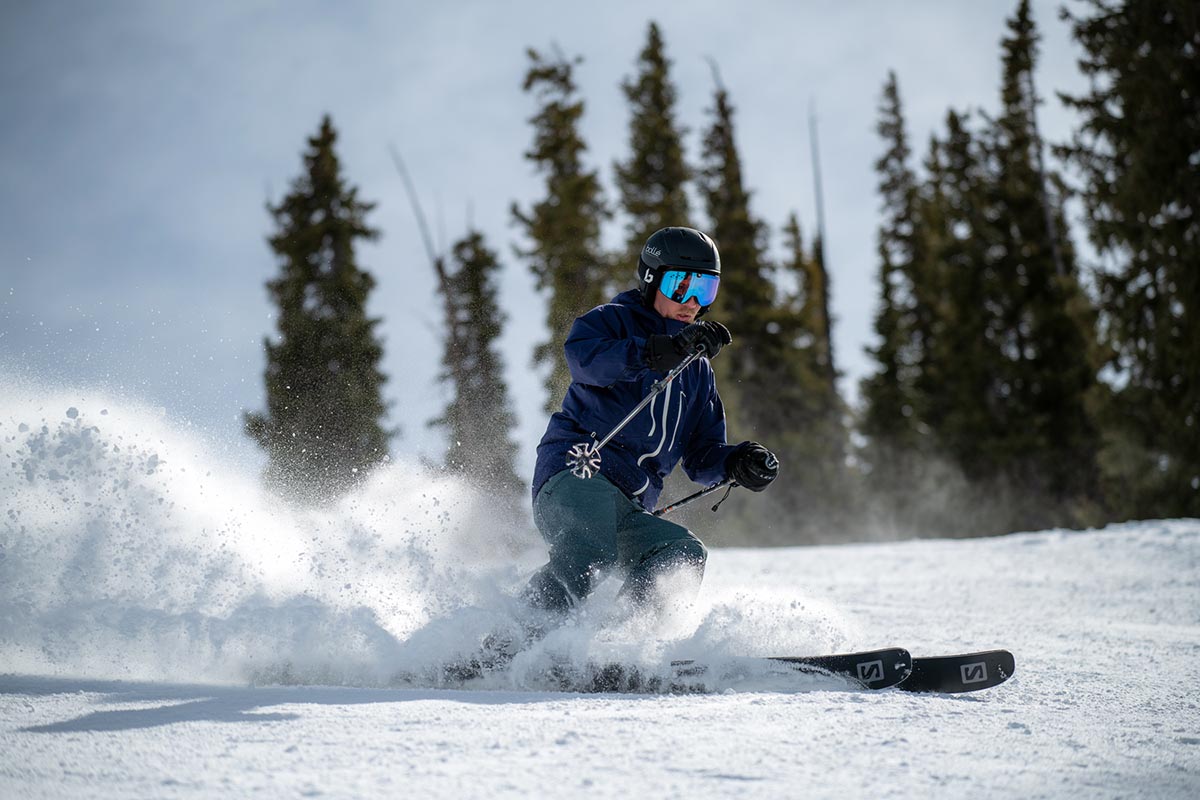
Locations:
871 669
965 672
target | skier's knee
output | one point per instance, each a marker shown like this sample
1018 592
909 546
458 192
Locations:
545 592
691 552
568 578
688 553
680 557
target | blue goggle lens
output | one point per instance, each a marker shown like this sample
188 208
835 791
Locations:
681 285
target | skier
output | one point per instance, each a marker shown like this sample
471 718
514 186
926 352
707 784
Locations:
616 352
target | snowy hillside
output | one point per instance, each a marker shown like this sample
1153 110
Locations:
152 599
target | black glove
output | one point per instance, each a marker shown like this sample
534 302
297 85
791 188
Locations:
713 335
664 353
752 466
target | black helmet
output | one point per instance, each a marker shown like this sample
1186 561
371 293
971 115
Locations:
674 248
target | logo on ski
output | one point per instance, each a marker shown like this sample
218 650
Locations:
974 673
870 671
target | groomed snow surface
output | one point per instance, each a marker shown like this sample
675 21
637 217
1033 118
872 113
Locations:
168 630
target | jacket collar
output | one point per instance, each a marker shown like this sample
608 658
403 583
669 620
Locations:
633 300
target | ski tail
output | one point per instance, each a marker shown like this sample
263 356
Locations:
965 672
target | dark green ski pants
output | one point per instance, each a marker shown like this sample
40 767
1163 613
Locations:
591 528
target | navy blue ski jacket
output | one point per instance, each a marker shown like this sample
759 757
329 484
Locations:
609 377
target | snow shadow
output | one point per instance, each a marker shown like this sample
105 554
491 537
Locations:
221 709
170 704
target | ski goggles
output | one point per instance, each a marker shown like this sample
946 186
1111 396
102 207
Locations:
682 285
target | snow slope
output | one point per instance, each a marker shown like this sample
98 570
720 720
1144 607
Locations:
152 600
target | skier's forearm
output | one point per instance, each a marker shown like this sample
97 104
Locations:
604 362
706 464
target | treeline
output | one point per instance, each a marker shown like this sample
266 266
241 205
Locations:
1015 387
1007 392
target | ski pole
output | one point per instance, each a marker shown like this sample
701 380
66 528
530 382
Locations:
730 482
584 458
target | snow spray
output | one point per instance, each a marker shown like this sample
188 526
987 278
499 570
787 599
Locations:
130 548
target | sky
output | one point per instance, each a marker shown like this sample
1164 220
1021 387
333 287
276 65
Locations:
140 142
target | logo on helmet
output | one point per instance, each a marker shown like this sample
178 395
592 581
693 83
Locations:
654 251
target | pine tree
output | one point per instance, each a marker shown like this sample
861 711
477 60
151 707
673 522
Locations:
1136 150
778 382
752 386
322 429
747 296
815 315
811 430
479 418
652 182
810 306
563 228
1052 444
891 407
963 364
906 475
